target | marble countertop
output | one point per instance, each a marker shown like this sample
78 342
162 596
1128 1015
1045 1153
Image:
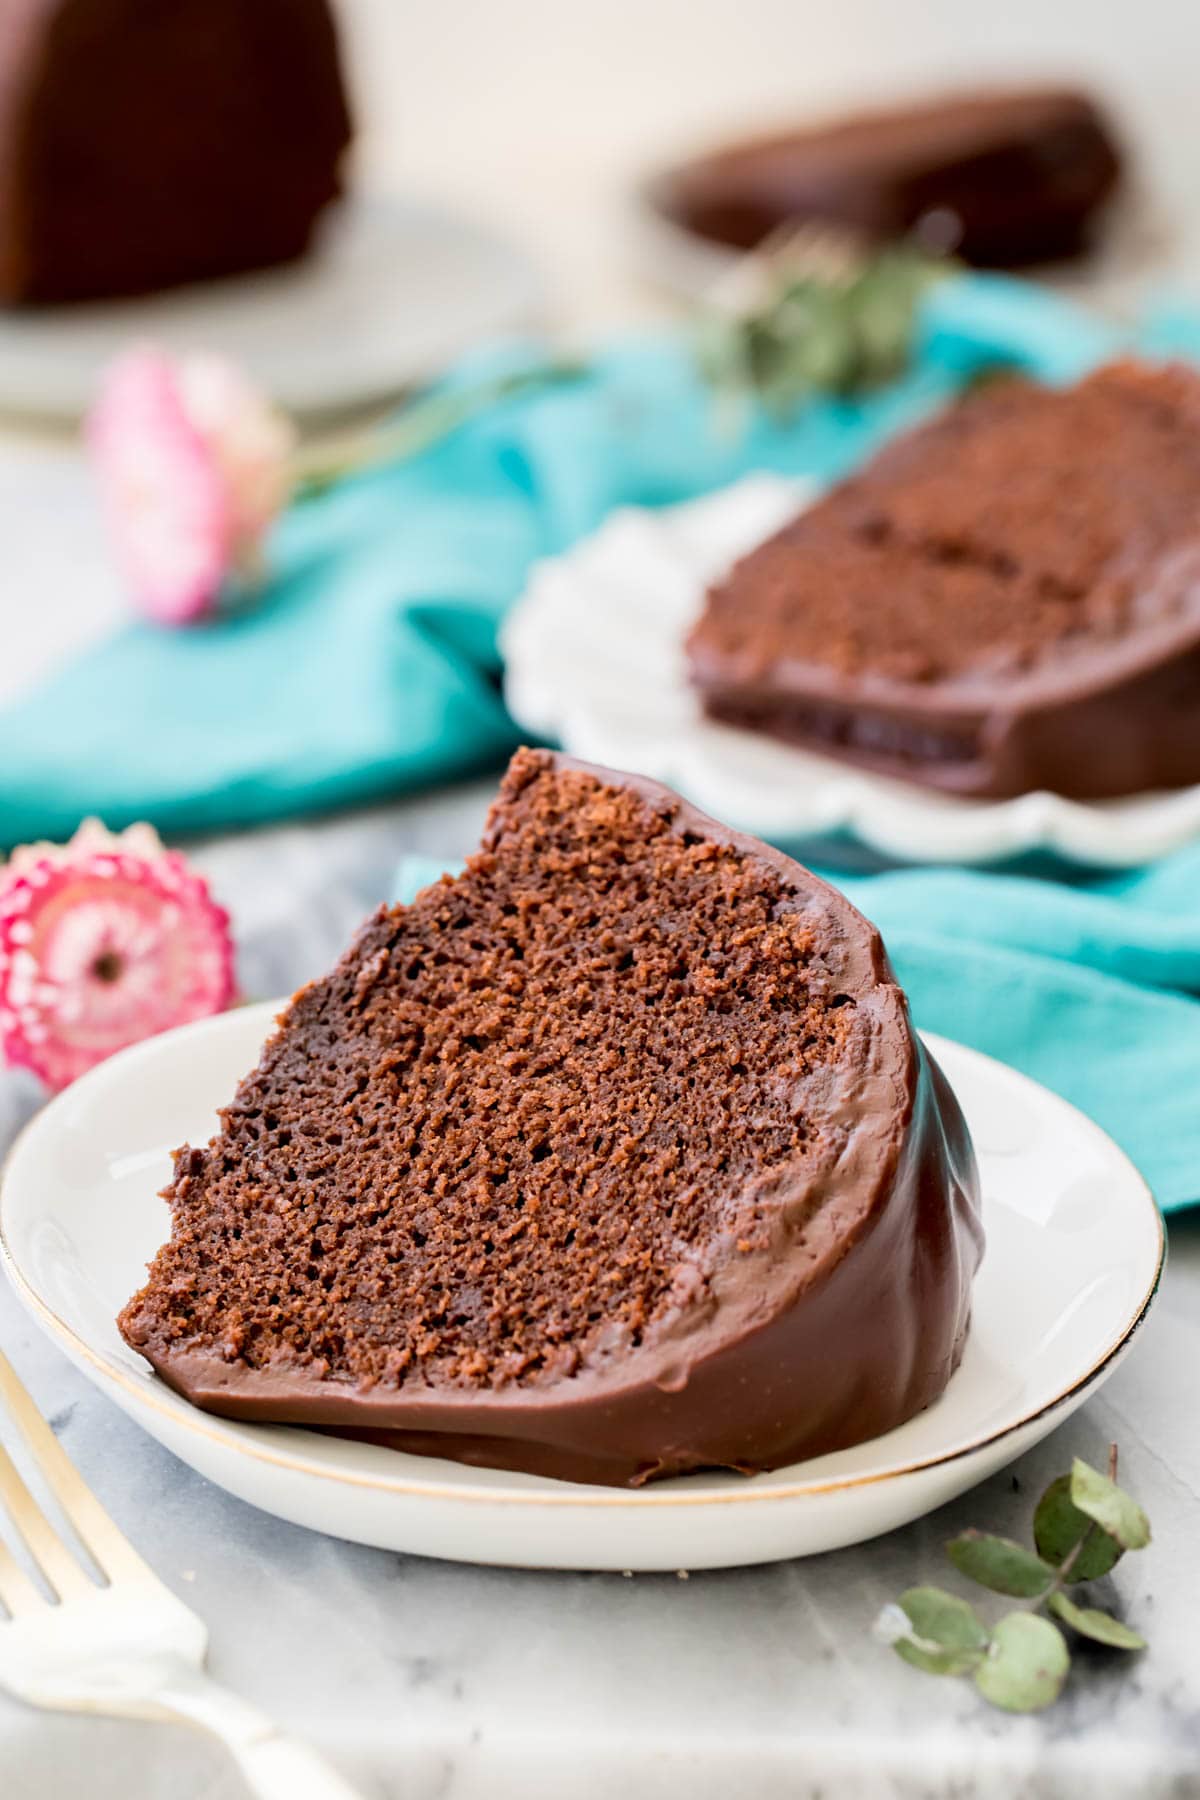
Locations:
430 1681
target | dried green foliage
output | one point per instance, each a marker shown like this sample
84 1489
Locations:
1082 1526
808 321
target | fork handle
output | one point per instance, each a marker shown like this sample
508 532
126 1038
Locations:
282 1768
273 1765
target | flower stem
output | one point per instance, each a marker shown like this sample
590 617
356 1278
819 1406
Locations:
418 427
1062 1573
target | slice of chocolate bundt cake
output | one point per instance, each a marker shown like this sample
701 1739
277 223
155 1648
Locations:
1005 599
613 1157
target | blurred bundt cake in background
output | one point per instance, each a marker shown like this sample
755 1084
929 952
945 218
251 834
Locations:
149 143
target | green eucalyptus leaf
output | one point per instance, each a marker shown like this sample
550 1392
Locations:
885 300
1097 1625
1109 1506
943 1619
1058 1525
720 349
933 1631
816 324
999 1564
938 1662
1026 1665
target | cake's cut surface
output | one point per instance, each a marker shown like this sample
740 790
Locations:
540 1140
149 143
1006 597
534 1052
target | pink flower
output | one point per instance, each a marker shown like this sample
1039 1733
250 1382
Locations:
104 941
194 465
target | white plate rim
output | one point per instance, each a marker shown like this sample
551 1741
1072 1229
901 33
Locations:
687 543
50 357
1139 243
238 1441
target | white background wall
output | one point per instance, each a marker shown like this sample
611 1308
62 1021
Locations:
538 111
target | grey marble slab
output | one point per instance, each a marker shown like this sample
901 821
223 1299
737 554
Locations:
429 1681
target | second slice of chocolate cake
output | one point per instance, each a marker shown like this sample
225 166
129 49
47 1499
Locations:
1006 599
613 1157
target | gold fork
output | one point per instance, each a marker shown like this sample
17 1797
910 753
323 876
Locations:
124 1646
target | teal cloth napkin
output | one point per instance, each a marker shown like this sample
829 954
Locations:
370 667
1091 986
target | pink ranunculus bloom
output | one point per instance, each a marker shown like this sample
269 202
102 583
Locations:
194 465
104 941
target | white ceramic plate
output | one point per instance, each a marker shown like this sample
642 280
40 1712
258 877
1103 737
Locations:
1139 246
1075 1247
594 661
393 293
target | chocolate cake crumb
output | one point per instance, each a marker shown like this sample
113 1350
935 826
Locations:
567 1066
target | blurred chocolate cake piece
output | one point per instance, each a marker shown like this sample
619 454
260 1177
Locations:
1005 599
150 143
1000 179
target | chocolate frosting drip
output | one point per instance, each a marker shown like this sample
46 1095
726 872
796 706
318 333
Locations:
1084 738
850 1319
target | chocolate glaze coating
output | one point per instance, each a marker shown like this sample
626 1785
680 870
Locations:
848 1321
1091 736
1000 178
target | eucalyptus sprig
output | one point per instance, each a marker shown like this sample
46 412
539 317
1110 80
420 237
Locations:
1082 1527
818 314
